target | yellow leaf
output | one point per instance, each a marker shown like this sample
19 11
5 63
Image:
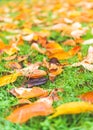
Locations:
8 79
72 108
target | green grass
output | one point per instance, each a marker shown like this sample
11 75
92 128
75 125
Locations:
74 81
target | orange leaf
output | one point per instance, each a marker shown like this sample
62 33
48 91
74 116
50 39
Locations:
41 107
22 114
28 92
87 96
53 48
65 55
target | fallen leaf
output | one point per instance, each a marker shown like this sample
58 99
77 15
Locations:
72 108
28 37
32 71
53 48
13 65
4 80
69 42
88 96
36 47
10 57
37 81
54 68
24 101
28 92
88 60
65 55
41 107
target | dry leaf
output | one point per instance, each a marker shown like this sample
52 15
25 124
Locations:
24 113
32 71
10 57
72 108
37 74
41 107
54 68
28 92
88 96
88 60
24 101
65 55
53 48
69 42
37 81
13 65
4 80
36 47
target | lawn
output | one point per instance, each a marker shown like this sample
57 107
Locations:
23 17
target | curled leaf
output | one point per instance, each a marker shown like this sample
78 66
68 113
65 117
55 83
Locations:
72 108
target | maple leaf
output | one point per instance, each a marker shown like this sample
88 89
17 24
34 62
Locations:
72 108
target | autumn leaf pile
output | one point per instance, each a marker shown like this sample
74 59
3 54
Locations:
57 31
